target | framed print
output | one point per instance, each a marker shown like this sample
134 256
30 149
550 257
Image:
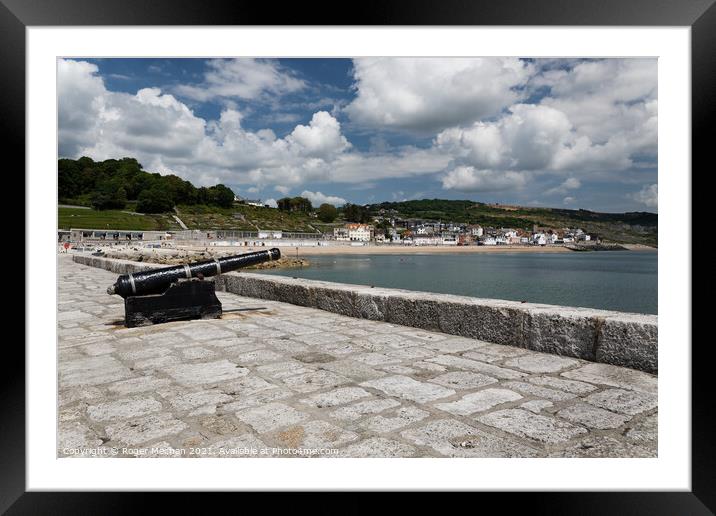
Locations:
420 245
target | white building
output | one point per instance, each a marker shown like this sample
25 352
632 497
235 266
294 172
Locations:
476 231
539 239
359 232
341 234
250 202
426 240
270 234
489 241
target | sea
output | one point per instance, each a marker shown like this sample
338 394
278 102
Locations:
625 281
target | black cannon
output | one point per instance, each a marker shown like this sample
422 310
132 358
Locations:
179 292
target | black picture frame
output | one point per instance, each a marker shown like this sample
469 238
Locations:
700 15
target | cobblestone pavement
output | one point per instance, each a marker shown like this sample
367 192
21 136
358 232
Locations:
273 379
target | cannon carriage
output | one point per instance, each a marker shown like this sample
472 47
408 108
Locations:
179 292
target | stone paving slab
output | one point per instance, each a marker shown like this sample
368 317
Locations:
271 379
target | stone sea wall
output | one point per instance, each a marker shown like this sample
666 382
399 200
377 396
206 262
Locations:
617 338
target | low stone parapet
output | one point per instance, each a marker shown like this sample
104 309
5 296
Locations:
617 338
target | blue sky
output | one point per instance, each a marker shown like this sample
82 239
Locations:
547 132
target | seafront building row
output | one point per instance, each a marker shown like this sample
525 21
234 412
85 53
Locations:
426 234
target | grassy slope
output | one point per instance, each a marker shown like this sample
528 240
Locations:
622 228
242 217
80 218
618 227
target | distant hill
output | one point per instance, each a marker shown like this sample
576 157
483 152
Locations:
628 228
124 196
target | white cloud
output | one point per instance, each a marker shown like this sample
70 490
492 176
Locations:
167 137
608 100
585 127
470 179
649 196
429 94
80 91
407 161
571 183
568 200
317 198
321 138
599 119
525 139
533 138
242 78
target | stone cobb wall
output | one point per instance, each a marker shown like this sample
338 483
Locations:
617 338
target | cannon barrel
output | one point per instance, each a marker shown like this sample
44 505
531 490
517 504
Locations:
156 281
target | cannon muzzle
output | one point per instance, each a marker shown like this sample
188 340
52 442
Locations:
156 281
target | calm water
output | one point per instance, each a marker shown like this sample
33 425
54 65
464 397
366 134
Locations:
612 280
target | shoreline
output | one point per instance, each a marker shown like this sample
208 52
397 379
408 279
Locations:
639 247
292 251
377 249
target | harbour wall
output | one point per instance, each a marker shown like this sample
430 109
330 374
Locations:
617 338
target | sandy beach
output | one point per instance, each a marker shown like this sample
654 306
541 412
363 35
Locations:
423 249
390 249
180 252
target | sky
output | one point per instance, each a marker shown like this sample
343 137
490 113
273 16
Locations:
565 133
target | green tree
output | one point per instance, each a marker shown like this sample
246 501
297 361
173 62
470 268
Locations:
218 195
284 204
154 200
110 195
222 196
202 195
120 196
351 212
384 226
294 204
181 192
327 213
356 213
